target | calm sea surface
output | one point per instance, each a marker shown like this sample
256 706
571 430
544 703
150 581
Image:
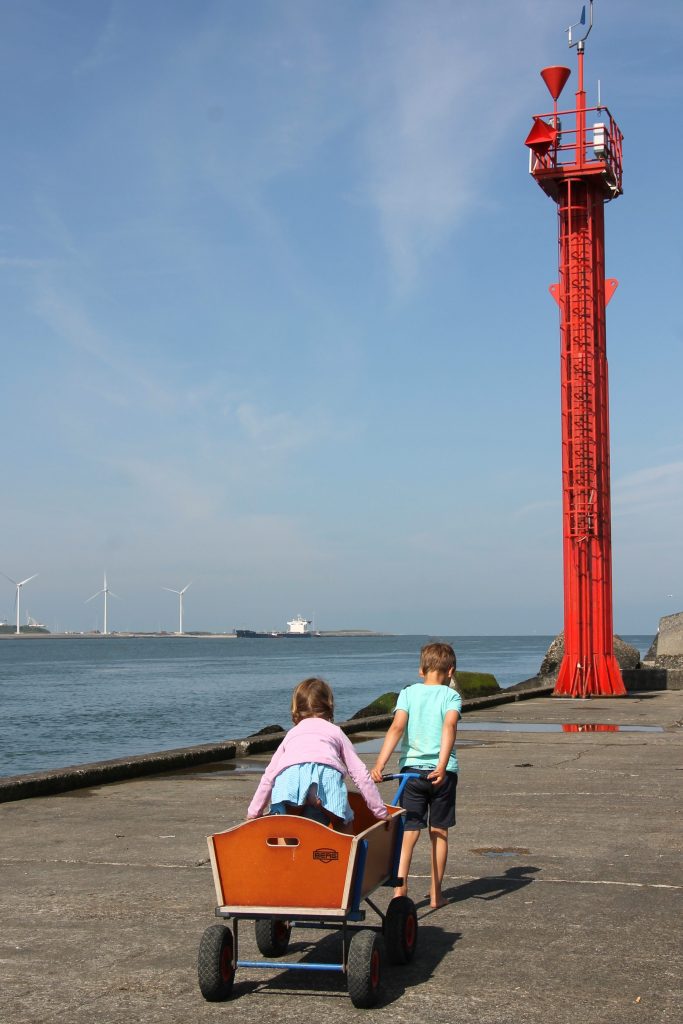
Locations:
68 702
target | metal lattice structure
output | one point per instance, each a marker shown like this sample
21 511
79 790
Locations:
580 168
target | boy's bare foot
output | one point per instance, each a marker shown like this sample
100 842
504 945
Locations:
440 901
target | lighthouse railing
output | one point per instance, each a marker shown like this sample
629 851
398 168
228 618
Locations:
602 146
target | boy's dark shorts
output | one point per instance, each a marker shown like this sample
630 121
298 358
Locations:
423 800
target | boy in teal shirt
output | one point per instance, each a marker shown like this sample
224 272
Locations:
426 720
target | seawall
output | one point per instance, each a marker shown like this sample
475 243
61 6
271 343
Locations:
61 780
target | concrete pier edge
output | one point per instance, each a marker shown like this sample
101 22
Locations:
99 773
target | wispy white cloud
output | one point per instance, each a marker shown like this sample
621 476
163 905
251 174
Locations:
56 232
272 431
445 84
236 111
177 492
193 502
435 90
649 489
534 507
428 91
646 58
70 321
644 490
282 430
224 423
105 45
25 263
667 474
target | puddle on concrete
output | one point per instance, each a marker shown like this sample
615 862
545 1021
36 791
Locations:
217 769
553 727
374 746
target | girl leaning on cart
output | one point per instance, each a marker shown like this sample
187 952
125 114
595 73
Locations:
307 771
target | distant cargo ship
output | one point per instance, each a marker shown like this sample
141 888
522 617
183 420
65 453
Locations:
297 627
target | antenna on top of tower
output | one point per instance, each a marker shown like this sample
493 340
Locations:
581 25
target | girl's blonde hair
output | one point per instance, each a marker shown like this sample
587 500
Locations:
312 698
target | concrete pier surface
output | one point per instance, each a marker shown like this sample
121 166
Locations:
564 879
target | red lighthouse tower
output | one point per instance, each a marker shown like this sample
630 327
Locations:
576 158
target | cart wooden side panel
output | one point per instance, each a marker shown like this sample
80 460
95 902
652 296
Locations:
283 861
381 837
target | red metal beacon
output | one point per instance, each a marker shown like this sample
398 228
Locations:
576 158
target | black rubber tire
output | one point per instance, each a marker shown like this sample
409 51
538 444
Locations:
272 937
364 968
214 963
400 930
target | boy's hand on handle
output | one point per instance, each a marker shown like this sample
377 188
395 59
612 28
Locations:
437 776
391 740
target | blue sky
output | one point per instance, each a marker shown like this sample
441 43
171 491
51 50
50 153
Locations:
275 312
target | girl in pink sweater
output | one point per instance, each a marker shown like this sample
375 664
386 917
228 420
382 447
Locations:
306 773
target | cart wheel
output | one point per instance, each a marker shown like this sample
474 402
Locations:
214 963
364 968
272 937
400 930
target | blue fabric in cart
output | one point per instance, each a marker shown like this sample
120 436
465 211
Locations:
294 786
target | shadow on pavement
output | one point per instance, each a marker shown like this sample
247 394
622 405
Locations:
433 945
492 887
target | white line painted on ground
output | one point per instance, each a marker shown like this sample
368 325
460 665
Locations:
521 880
517 882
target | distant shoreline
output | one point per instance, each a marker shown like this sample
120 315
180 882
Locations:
321 634
117 636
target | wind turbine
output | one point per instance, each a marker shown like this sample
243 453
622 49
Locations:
19 585
106 591
180 602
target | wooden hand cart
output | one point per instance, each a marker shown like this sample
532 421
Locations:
286 871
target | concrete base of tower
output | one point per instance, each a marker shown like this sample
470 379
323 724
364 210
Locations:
595 675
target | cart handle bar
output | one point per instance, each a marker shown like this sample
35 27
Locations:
404 777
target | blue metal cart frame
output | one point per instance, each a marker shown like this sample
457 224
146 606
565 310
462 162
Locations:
398 926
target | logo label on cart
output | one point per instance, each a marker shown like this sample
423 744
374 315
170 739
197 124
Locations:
325 855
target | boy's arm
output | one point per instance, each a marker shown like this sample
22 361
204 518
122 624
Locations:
391 741
448 734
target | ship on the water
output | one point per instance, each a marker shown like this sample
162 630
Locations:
297 627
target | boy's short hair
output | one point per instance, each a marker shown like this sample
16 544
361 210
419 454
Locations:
312 698
437 657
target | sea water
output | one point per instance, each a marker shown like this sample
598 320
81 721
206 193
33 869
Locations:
70 701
